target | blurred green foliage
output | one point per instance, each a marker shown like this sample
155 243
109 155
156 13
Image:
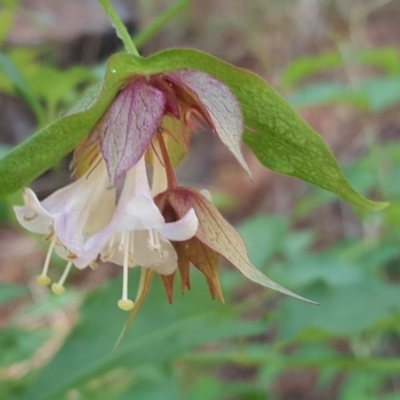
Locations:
198 349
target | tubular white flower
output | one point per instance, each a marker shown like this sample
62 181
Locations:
138 233
70 215
137 213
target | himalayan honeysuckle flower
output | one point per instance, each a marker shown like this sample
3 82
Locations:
109 211
68 217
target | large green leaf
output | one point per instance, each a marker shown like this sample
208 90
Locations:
160 333
279 138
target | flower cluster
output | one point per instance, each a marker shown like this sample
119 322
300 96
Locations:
112 213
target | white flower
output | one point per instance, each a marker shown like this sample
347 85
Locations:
137 233
69 217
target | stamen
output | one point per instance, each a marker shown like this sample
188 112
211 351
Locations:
43 278
154 240
121 246
93 164
131 251
30 217
125 304
58 288
111 250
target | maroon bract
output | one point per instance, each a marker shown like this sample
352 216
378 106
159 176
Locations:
134 118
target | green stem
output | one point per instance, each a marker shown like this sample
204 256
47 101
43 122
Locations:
120 28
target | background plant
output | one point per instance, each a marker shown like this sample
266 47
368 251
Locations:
257 346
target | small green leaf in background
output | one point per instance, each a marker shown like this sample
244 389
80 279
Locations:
302 68
328 92
386 58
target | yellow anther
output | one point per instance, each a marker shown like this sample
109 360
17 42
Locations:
43 280
57 288
126 304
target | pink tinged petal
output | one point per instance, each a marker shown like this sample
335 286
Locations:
88 207
220 104
171 102
171 105
159 182
115 253
163 260
183 229
136 209
61 251
129 126
33 216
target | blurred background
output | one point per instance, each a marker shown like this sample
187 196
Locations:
338 63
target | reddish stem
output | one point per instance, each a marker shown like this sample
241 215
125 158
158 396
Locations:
171 179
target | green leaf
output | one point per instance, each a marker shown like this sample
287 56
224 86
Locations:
387 58
46 147
283 142
279 138
328 92
302 68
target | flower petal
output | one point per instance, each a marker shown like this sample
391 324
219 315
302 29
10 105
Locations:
216 233
183 229
220 104
33 216
163 260
87 209
129 126
136 209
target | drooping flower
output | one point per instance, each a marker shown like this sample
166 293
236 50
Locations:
137 233
110 211
215 237
69 217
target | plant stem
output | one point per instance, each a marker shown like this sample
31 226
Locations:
119 27
172 183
